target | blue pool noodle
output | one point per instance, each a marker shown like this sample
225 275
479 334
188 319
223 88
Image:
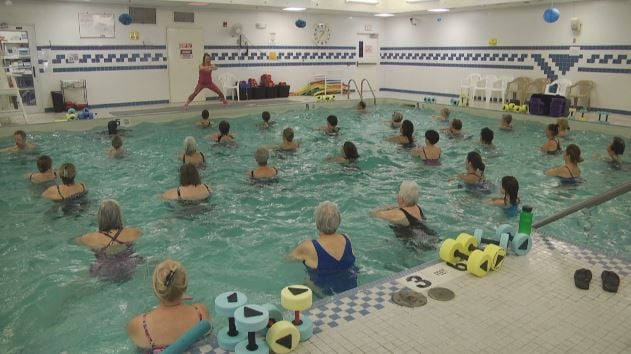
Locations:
189 338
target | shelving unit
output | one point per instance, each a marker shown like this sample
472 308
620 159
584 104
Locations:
18 63
71 85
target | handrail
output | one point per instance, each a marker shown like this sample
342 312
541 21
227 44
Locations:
348 93
361 85
593 201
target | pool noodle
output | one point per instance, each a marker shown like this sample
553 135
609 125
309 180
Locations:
189 338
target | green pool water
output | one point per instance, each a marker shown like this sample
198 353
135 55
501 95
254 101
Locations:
239 240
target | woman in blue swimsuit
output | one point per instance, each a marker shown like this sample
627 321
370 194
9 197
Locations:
329 259
569 173
155 330
510 201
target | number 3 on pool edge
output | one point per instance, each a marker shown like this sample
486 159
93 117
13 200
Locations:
420 282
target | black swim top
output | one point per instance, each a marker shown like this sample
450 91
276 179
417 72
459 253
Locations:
428 159
480 177
76 195
412 220
201 153
569 180
558 149
112 239
179 196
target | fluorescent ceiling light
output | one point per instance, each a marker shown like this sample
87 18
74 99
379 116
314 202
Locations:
295 9
438 10
371 2
197 4
384 15
413 1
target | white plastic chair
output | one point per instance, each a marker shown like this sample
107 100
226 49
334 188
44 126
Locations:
562 86
229 82
499 87
469 83
485 85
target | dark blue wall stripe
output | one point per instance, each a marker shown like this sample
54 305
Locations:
442 94
484 66
286 64
486 48
611 110
275 47
111 68
100 47
605 70
118 104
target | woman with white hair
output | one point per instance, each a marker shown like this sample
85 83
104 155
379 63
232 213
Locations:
263 171
329 259
172 318
406 216
112 244
191 155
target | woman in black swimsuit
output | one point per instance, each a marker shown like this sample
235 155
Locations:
69 189
224 135
116 259
263 171
46 172
191 155
191 187
552 146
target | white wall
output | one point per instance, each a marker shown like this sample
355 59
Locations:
605 23
56 24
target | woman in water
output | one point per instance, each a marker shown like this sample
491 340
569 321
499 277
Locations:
429 153
510 201
475 169
112 244
564 128
117 147
191 187
191 155
329 260
224 135
68 189
263 171
164 324
406 138
205 80
569 173
552 146
349 154
46 172
406 217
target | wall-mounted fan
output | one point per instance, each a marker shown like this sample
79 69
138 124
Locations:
236 30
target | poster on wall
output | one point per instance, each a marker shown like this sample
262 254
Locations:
368 49
96 25
186 50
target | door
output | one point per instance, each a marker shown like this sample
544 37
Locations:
19 59
185 48
367 62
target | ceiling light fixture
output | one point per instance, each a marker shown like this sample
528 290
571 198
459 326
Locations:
438 10
413 1
384 15
370 2
197 4
294 9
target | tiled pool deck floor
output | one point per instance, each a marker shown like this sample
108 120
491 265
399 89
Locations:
530 306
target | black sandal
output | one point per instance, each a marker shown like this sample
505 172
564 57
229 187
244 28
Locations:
611 281
582 277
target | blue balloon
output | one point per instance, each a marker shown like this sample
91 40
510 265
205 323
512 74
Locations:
301 23
125 19
551 15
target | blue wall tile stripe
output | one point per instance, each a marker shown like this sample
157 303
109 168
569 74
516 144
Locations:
500 48
110 68
298 63
462 65
605 70
236 47
119 104
101 47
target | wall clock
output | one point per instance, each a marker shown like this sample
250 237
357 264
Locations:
321 34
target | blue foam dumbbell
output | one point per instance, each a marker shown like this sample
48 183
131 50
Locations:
250 319
507 238
225 305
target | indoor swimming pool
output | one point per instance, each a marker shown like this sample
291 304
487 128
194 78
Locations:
240 238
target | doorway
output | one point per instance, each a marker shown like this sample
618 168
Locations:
185 49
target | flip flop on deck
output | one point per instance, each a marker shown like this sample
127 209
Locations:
611 281
582 277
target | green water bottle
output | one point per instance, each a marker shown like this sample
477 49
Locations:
525 220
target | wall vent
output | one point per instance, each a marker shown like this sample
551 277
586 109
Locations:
183 17
143 15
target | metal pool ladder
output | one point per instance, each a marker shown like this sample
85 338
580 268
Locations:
360 90
587 203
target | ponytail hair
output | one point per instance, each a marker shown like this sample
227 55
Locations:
407 130
475 160
554 129
204 57
169 280
511 189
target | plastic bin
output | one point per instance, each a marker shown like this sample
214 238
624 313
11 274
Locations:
283 91
58 101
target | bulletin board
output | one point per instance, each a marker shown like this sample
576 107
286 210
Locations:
93 25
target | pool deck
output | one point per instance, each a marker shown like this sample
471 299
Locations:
530 306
